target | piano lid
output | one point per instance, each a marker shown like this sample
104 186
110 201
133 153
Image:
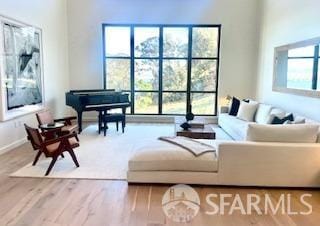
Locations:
86 92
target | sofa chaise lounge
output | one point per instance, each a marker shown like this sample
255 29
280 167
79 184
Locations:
241 161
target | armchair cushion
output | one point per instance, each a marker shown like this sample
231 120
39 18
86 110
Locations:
45 117
53 147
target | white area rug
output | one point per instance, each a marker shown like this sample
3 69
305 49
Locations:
101 157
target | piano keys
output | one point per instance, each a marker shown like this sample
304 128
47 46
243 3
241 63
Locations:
96 100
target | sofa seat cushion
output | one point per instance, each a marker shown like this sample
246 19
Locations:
161 156
235 127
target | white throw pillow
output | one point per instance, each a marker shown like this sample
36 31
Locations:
247 111
263 114
298 133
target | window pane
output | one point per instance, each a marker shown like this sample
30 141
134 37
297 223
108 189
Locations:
175 42
175 75
300 73
203 103
146 74
118 74
203 75
146 103
146 42
205 42
307 51
117 41
174 103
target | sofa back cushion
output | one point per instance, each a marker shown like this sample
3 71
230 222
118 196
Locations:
263 114
299 133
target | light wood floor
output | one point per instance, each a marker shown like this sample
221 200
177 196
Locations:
57 202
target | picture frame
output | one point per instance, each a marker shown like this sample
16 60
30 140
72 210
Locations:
21 69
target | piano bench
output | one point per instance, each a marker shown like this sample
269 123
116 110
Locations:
107 118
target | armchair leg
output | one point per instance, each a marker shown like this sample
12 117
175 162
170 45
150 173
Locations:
74 158
54 159
37 158
76 136
117 124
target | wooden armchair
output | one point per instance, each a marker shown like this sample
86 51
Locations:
52 148
45 117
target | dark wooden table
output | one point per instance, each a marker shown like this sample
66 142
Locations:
196 133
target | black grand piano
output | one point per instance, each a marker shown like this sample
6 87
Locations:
96 100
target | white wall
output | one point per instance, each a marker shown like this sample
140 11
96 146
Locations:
50 15
238 45
285 22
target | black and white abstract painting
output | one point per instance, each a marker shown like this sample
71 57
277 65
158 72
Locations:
22 65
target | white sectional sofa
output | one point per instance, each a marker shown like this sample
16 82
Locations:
241 161
237 128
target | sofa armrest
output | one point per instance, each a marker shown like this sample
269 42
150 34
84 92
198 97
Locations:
269 164
224 109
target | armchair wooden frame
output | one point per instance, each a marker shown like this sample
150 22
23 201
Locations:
66 120
52 148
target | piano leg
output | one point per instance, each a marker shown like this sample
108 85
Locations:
99 122
124 122
80 121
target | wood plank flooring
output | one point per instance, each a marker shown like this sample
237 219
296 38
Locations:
62 202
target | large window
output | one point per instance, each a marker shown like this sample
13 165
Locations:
164 68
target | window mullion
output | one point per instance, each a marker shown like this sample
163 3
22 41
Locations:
132 68
315 67
104 57
189 68
160 68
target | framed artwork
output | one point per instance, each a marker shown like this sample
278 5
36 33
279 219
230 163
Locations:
21 69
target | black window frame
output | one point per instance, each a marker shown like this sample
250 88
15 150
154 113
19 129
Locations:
161 58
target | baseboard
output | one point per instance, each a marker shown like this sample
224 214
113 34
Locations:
12 145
